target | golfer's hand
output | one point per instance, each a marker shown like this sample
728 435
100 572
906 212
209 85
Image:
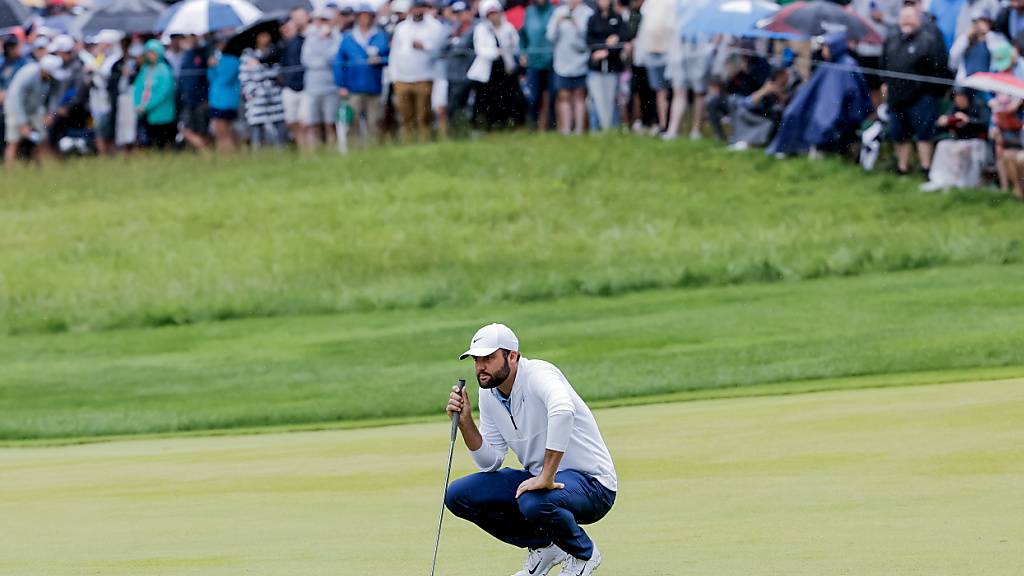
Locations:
459 402
537 483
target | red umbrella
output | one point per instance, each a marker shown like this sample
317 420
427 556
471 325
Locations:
817 18
998 82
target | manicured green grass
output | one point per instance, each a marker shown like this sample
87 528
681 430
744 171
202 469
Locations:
917 480
174 240
400 363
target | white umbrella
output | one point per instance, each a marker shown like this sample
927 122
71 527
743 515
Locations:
203 16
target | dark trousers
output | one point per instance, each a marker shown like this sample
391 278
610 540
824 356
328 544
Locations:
460 111
538 518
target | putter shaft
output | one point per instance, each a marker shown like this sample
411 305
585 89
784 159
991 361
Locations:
447 477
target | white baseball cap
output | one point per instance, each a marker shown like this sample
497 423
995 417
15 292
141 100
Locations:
62 43
490 338
53 66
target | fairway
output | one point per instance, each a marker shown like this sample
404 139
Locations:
915 480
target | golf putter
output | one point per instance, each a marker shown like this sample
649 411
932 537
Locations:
447 477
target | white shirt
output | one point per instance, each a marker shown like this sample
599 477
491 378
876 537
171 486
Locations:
546 414
408 64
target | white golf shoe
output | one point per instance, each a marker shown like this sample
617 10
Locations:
577 567
540 561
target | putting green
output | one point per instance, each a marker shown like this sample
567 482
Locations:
917 480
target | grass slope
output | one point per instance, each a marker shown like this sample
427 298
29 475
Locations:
151 241
387 364
909 481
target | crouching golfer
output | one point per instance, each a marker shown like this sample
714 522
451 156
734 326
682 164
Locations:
568 480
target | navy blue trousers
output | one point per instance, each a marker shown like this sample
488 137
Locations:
537 518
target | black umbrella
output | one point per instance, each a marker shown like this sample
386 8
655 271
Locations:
282 5
128 16
817 18
13 13
246 37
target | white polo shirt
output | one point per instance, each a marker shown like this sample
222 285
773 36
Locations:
545 413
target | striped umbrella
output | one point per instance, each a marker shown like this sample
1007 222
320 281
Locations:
204 16
817 18
998 82
12 13
129 16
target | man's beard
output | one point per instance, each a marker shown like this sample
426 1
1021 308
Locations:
496 379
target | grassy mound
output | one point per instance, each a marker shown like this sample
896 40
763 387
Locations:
152 241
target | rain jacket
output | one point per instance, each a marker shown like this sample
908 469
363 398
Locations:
351 68
225 87
831 105
154 87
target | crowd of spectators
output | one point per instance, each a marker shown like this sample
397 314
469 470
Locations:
414 71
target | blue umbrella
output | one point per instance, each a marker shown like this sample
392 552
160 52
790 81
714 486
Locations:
733 17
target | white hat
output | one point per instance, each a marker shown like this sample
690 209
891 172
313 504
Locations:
488 6
491 338
401 6
54 66
41 42
62 43
108 36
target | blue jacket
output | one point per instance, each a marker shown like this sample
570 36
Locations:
829 106
225 90
350 68
292 72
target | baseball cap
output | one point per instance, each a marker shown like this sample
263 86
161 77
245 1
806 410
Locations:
488 6
365 8
53 66
108 36
490 338
400 6
62 43
324 13
981 13
459 6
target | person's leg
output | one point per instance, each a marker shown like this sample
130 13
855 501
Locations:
579 110
559 513
10 153
564 112
604 100
405 106
533 85
924 154
903 150
488 499
923 123
1017 159
679 105
698 115
423 93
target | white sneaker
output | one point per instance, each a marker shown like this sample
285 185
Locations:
696 135
540 561
667 137
738 146
577 567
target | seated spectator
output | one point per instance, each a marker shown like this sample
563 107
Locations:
154 96
757 116
827 110
748 74
960 152
499 101
358 69
25 106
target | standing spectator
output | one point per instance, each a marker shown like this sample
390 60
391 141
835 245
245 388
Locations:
641 107
826 112
912 105
264 113
567 30
122 94
960 155
1010 20
537 58
108 52
320 100
414 49
972 52
653 42
688 70
496 43
292 74
459 56
225 97
25 105
154 96
194 93
1006 126
358 73
607 32
439 88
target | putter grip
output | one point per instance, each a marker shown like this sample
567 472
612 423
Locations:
455 415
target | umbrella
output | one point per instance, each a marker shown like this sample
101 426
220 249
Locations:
283 5
246 38
999 82
204 16
12 13
817 18
129 16
733 17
